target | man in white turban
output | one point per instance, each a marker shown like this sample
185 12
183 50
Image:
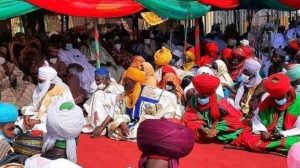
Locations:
49 92
64 124
249 90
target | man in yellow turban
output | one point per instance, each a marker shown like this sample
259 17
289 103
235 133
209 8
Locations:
140 102
190 61
162 58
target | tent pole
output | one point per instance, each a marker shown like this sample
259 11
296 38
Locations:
171 34
197 40
97 41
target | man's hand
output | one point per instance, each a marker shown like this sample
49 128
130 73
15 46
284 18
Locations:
30 123
276 136
124 129
265 136
211 133
97 132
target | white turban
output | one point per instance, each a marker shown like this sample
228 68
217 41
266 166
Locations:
40 162
244 42
64 122
47 73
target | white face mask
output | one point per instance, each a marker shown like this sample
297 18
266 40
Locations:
117 46
245 78
281 102
53 60
69 46
298 88
101 86
2 60
147 41
169 87
40 86
203 101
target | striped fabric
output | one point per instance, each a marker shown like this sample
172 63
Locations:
4 148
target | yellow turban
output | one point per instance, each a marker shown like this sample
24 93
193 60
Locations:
162 57
136 75
190 55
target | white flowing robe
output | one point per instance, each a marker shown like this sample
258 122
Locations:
166 107
101 105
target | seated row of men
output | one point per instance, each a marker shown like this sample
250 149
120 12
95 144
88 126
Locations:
117 110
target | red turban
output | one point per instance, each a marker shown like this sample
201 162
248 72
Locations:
240 52
206 84
247 51
277 85
168 69
227 53
164 138
294 45
212 49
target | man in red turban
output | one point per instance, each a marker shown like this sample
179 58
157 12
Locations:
211 49
235 60
276 124
163 142
211 118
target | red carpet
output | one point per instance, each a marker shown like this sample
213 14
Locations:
107 153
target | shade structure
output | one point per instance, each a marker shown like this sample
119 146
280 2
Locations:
292 3
176 9
222 4
90 8
13 8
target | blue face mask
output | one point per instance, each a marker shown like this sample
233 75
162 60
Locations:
69 46
281 102
203 101
9 140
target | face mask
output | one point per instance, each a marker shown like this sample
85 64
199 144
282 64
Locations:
287 58
152 36
69 46
203 101
53 60
2 60
40 86
281 102
173 61
101 86
298 88
94 44
214 71
169 87
147 41
117 46
245 78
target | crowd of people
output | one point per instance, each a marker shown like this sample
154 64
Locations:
150 90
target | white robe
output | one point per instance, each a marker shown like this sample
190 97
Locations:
101 105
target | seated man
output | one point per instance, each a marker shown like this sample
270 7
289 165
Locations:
140 103
276 124
101 105
13 89
247 94
210 117
50 91
8 116
77 64
64 124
